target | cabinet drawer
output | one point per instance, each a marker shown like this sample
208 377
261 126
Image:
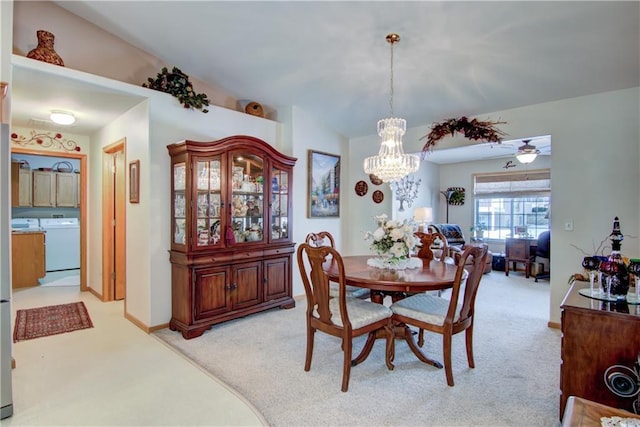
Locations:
517 252
245 255
217 258
278 251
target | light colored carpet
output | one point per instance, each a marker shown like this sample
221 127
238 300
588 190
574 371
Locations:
515 382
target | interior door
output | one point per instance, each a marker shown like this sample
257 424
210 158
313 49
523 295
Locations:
113 222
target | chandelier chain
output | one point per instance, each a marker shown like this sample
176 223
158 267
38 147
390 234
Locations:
391 81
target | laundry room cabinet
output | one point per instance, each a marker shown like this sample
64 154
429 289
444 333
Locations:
231 226
27 258
20 185
55 189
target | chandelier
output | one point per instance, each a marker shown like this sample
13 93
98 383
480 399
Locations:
391 164
527 153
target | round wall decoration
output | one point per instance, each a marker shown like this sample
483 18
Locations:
377 196
374 179
361 188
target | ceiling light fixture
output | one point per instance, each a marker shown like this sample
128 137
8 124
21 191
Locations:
391 164
527 153
62 117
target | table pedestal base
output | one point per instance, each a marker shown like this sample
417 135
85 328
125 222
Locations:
400 331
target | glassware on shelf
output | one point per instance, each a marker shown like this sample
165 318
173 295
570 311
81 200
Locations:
634 269
178 206
179 234
179 176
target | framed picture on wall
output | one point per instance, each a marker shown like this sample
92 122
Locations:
134 181
323 190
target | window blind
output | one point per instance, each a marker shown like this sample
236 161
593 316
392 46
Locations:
513 184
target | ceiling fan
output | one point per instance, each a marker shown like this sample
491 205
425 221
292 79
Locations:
527 153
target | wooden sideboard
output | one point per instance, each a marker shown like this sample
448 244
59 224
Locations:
595 336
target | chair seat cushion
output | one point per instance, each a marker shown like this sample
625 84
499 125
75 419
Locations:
361 313
352 291
424 308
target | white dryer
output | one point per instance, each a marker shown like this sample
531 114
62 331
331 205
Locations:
62 243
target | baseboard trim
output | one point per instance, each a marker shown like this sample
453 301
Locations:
94 293
554 325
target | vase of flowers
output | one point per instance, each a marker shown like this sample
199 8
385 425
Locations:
393 241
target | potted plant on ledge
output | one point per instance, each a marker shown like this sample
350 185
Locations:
477 232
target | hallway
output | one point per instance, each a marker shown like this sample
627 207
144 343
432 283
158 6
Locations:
112 374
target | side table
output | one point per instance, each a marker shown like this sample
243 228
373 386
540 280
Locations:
519 250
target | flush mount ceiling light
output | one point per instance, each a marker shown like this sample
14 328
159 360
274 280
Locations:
527 153
391 164
62 117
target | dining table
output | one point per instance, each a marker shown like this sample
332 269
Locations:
397 284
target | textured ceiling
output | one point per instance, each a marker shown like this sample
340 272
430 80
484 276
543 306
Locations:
331 58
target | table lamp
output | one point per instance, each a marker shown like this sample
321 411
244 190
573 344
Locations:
421 216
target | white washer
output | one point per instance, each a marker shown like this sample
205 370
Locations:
62 240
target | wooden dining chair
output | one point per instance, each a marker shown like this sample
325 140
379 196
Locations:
448 316
324 238
427 242
343 317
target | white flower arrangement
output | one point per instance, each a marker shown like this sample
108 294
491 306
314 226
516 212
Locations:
392 238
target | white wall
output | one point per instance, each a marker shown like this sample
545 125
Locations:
85 47
131 127
594 174
308 133
363 209
461 175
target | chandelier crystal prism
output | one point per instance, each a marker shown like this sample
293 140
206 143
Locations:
391 163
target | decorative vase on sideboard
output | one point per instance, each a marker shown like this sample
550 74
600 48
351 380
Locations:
44 51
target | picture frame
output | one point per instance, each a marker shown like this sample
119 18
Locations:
323 185
134 181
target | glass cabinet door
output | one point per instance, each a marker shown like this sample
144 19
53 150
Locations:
279 204
208 202
247 197
179 203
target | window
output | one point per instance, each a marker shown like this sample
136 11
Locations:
513 204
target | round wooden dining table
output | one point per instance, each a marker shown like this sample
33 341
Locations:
433 276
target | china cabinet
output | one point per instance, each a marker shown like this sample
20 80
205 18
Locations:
231 249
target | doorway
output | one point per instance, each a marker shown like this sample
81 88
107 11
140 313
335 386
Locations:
82 200
114 222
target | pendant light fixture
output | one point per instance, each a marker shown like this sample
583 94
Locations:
391 164
527 153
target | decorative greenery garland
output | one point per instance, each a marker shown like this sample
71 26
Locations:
177 84
471 129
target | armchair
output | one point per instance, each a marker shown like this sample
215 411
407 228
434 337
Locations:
456 241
